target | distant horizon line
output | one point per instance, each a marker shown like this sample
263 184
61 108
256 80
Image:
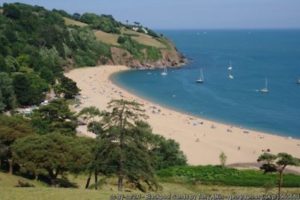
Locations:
227 29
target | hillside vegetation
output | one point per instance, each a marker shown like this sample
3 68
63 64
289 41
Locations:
38 45
217 175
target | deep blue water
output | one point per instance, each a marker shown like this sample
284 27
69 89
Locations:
255 55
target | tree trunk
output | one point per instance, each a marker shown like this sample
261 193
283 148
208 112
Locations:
121 164
88 180
120 183
52 177
11 169
96 179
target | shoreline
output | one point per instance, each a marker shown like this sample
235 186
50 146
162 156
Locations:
202 140
268 132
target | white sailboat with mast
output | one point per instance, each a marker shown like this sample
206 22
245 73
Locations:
165 72
201 78
265 89
230 66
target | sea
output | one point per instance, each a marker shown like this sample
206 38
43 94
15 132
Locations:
255 56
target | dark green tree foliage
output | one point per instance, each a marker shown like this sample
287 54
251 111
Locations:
11 128
29 88
90 113
123 148
37 43
277 163
52 154
167 153
47 74
21 85
7 94
2 105
131 46
49 59
126 146
67 87
86 50
139 51
54 117
152 33
11 11
105 23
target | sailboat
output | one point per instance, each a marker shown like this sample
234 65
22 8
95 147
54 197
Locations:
265 89
230 66
230 76
201 78
165 72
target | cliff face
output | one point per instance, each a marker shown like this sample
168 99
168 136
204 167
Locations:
170 58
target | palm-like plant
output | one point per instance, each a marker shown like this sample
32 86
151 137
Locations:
277 163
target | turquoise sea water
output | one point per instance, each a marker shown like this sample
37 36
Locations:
255 55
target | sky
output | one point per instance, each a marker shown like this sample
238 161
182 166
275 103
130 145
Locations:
188 14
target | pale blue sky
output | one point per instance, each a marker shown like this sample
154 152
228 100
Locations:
189 14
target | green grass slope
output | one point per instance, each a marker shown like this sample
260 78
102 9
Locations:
112 38
8 190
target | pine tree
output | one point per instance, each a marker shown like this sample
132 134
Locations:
126 138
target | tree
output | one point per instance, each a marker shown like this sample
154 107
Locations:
76 16
11 128
127 147
52 155
50 59
54 117
21 87
2 105
277 163
7 95
47 75
120 133
29 88
11 11
37 90
166 153
223 159
67 87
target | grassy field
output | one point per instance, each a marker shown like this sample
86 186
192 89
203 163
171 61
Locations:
69 21
144 39
8 190
107 38
112 39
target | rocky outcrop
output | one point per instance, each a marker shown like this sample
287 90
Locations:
170 58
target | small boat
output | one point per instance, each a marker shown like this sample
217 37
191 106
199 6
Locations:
298 81
201 78
230 76
165 72
230 66
265 89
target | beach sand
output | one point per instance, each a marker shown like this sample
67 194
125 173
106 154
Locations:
201 140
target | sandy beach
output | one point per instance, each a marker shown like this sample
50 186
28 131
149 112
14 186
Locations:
201 140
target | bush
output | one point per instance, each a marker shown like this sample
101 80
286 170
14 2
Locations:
218 175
